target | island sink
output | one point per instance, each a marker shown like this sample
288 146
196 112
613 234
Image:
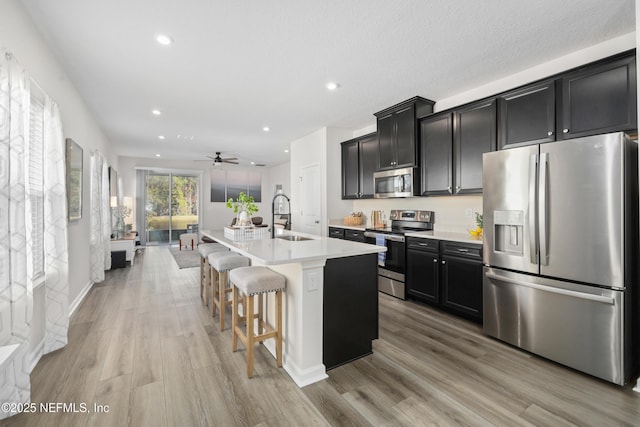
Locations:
294 238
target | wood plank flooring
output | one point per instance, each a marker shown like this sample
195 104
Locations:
143 344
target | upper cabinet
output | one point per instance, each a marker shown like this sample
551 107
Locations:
596 98
474 131
436 154
398 133
527 115
599 98
451 148
359 162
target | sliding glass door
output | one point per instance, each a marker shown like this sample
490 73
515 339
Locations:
171 206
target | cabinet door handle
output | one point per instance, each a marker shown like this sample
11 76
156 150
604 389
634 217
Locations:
550 133
449 189
463 250
457 188
565 130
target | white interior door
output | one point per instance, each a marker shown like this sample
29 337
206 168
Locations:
310 206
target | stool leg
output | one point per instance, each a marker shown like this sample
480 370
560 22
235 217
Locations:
279 326
191 244
260 314
214 290
234 317
223 278
249 316
201 277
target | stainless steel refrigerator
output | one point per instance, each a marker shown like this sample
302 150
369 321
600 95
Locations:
561 252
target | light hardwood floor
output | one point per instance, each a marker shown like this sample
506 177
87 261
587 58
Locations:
143 343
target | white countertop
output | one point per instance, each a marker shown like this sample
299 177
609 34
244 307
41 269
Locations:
446 235
278 251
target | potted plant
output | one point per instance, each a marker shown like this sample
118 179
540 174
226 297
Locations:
244 206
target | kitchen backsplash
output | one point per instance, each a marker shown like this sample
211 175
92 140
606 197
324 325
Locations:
452 213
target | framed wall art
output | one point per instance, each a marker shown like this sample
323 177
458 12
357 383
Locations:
74 180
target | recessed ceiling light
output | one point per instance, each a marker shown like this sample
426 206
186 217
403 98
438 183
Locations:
160 136
253 163
156 112
332 85
164 39
157 155
266 129
286 150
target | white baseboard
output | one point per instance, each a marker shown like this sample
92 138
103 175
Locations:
76 302
36 354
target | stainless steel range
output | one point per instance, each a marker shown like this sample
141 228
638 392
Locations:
391 265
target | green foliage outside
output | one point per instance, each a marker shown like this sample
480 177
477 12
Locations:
183 206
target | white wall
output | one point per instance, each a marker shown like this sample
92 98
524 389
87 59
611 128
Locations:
279 175
19 36
336 207
541 71
306 151
213 215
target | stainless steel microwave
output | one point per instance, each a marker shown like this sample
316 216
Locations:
396 183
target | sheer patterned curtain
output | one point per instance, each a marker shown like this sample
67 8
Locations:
56 253
16 288
100 218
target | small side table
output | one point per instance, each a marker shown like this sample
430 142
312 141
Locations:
128 244
188 238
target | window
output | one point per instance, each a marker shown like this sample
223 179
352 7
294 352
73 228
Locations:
36 186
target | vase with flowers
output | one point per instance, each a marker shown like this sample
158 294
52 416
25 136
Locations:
244 206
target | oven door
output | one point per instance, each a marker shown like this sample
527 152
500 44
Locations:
394 258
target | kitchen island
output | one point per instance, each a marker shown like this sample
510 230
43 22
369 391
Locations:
330 313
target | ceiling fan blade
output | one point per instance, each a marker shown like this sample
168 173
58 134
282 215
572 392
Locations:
211 157
233 162
229 158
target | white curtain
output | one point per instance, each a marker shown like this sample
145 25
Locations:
100 218
16 288
56 253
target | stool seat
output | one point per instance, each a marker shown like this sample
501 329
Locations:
257 280
225 261
207 248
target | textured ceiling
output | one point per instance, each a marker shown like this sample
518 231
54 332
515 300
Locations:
237 66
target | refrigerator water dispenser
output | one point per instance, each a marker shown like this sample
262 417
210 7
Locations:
508 232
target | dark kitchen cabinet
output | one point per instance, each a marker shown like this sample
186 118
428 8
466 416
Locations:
354 235
423 270
359 162
436 156
527 115
599 98
474 131
461 278
336 232
445 274
397 133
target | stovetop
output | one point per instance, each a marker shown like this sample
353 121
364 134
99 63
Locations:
400 230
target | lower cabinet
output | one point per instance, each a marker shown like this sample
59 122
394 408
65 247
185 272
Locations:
336 232
446 274
346 234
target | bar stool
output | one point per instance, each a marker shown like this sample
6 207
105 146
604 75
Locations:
248 282
221 263
204 250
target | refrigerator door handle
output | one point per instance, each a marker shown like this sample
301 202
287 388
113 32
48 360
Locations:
533 239
567 292
542 209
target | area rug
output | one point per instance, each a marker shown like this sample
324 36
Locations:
185 258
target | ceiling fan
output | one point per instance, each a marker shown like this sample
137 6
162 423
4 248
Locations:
217 160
